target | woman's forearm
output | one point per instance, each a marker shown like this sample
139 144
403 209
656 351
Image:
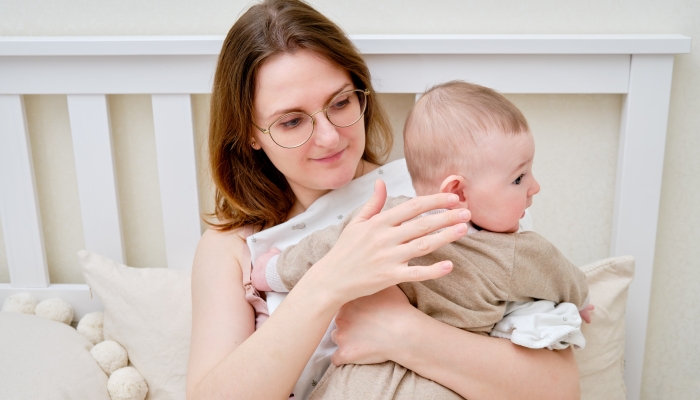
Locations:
268 363
480 367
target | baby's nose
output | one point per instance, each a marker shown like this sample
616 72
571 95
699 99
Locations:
535 187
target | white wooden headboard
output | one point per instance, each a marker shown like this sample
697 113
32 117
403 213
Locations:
86 69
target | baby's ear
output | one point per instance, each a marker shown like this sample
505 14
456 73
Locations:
455 184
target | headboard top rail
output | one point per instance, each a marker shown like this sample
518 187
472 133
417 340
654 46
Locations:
367 44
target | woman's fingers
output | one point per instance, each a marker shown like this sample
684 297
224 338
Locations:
374 205
429 243
430 223
417 206
370 327
418 273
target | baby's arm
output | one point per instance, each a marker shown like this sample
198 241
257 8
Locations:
540 271
280 271
260 267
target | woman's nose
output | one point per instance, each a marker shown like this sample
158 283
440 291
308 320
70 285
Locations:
325 133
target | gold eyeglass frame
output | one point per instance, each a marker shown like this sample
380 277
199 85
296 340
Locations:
313 120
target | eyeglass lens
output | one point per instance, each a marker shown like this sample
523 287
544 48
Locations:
294 129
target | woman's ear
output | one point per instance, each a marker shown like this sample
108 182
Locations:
455 184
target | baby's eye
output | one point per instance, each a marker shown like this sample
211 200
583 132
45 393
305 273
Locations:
519 179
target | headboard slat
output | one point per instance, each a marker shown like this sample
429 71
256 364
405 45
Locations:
24 238
97 183
174 131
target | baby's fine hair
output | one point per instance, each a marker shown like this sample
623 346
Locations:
444 128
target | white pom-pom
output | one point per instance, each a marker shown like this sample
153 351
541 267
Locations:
91 326
127 384
56 309
110 356
24 303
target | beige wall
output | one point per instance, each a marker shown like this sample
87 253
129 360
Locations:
573 209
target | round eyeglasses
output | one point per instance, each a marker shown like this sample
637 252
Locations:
295 128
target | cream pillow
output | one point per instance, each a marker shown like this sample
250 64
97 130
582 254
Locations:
601 362
45 359
149 312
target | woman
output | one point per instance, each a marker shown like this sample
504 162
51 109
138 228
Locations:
281 136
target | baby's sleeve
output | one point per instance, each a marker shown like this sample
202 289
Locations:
296 260
540 271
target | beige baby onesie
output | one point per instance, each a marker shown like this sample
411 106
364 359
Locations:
490 269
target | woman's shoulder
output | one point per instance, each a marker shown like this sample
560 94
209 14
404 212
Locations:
218 236
218 249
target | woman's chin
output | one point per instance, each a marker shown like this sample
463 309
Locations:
339 176
336 181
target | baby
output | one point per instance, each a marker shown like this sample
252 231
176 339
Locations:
468 140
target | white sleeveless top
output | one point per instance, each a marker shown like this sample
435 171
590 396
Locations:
324 212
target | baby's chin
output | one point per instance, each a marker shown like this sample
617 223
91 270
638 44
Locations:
503 228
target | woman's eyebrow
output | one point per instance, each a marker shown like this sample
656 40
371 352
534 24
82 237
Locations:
297 109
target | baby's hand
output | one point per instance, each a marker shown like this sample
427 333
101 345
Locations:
259 266
586 313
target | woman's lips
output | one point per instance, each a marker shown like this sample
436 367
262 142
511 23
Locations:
331 158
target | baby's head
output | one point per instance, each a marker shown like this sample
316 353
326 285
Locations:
469 140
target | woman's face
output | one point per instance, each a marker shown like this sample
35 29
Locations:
305 82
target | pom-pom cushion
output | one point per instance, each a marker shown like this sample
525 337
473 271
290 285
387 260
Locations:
127 384
55 309
110 356
149 312
20 302
92 327
45 359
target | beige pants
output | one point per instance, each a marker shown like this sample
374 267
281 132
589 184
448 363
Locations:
385 381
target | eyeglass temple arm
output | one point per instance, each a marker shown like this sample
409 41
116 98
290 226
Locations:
265 131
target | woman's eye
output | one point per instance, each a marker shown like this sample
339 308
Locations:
519 179
341 103
291 123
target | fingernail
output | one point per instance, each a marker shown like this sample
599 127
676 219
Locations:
464 214
453 198
461 228
446 266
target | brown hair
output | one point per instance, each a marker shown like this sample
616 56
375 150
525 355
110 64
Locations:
445 126
250 190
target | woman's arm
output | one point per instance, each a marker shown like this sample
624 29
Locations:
385 326
229 360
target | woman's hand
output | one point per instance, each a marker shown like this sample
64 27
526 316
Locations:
369 327
384 326
373 251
